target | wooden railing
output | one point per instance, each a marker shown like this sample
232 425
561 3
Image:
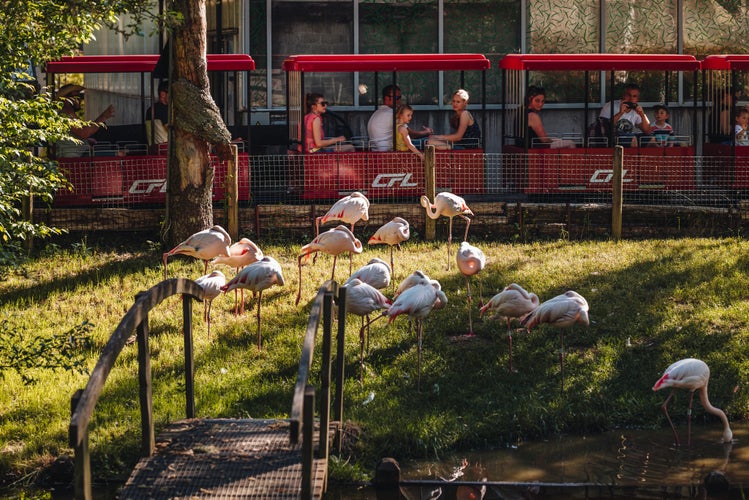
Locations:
84 400
303 406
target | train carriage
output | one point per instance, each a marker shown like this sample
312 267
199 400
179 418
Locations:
650 164
124 170
381 175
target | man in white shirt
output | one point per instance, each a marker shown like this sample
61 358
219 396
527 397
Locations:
380 125
629 114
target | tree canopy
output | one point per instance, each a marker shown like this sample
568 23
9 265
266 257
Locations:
33 33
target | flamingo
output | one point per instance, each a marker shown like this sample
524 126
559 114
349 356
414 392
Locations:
393 234
376 273
334 241
512 302
693 375
204 245
363 299
417 302
211 284
471 260
448 205
242 253
349 209
562 311
257 277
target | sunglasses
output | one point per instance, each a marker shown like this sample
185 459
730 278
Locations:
323 103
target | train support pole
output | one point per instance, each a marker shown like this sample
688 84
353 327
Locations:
616 193
232 194
430 230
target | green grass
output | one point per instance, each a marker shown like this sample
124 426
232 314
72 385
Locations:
671 298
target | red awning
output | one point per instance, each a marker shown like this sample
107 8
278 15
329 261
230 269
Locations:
599 62
385 62
726 62
141 63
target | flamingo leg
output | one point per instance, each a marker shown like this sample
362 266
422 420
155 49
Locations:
470 316
361 350
392 265
299 293
449 240
468 224
332 275
664 407
208 317
259 338
561 357
418 362
689 419
509 341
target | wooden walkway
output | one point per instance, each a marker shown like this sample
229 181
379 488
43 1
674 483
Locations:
224 458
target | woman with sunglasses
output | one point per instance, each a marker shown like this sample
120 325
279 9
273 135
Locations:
314 136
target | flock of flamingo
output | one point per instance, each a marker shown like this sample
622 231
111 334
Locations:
416 295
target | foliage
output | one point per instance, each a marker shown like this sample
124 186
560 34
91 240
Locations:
24 352
33 33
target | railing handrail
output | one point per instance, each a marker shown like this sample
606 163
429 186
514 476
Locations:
85 401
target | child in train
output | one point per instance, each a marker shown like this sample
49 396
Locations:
403 141
660 128
740 129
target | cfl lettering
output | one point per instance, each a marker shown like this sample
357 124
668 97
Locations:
605 175
390 180
148 186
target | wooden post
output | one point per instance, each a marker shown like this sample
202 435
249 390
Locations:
148 437
387 479
340 368
232 193
82 463
616 193
189 356
430 230
307 444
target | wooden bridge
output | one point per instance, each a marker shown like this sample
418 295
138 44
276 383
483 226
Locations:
221 458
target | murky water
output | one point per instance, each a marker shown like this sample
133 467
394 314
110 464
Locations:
620 464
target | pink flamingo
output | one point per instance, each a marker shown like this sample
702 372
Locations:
211 284
448 205
512 302
349 209
393 234
562 311
471 260
363 299
334 242
203 245
417 302
242 253
693 375
376 273
257 277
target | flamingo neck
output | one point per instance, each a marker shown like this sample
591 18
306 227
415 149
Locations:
727 433
432 211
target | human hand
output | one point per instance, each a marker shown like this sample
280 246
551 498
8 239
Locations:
106 114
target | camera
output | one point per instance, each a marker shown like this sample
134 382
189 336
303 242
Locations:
630 105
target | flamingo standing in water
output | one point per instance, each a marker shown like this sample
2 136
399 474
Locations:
393 234
562 311
512 302
417 302
211 284
363 299
242 253
334 242
257 277
204 245
448 205
471 260
693 375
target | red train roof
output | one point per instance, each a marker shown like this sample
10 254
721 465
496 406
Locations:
599 62
385 62
142 63
726 62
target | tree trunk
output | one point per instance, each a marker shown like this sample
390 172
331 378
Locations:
196 124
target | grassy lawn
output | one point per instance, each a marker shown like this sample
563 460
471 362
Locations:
651 303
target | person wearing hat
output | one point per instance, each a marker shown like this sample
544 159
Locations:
157 117
72 96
